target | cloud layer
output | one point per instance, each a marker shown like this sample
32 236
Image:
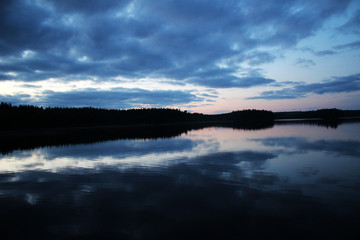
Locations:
349 83
186 41
115 98
186 45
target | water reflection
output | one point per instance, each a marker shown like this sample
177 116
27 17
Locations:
295 145
29 139
289 181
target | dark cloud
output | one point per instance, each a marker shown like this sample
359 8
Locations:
325 53
88 7
259 57
320 53
308 171
167 39
115 98
4 76
353 25
306 63
16 99
30 86
286 93
352 45
337 84
24 25
349 83
335 50
229 81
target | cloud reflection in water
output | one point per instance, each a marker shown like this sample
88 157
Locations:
212 183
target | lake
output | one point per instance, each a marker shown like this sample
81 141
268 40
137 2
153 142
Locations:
293 181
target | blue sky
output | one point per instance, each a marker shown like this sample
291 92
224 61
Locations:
203 56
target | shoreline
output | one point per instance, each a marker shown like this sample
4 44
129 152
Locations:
31 138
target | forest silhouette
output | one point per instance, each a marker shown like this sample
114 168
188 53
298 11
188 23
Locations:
30 117
27 116
27 127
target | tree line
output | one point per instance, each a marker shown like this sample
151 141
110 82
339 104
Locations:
329 115
28 116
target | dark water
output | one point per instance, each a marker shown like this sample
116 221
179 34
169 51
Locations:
287 182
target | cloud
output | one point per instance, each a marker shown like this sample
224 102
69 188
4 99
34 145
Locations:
227 159
166 39
259 57
5 76
122 149
325 53
16 99
335 50
88 7
306 63
229 81
286 93
291 144
353 25
115 98
352 45
319 53
349 83
30 86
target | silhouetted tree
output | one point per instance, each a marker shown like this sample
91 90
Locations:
27 116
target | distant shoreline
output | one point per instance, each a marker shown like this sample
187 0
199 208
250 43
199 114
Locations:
31 138
27 118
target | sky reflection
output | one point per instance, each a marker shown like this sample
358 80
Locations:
218 151
221 178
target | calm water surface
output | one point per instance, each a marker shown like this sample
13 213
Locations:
290 181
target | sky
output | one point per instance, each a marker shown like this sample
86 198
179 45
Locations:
210 56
